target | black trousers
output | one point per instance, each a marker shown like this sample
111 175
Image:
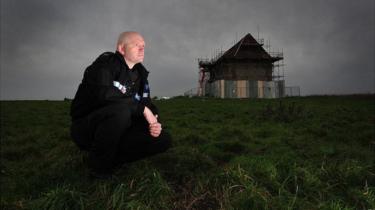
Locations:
112 136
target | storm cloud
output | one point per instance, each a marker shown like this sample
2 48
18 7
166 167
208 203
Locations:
46 45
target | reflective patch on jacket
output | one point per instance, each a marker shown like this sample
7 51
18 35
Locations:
146 91
122 88
137 97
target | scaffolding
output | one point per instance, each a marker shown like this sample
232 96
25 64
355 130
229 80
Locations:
276 82
278 68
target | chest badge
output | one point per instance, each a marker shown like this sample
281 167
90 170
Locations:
121 87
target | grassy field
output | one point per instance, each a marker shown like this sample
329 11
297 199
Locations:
295 153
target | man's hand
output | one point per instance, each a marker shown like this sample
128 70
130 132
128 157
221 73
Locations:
149 116
155 129
154 126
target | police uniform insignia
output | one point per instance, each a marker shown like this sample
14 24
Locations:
137 97
146 91
122 88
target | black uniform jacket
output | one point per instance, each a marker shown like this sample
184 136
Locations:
101 84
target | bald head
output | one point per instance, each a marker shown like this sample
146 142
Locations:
125 37
131 45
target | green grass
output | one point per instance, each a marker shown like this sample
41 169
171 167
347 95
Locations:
295 153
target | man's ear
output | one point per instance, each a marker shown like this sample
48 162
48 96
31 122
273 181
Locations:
121 49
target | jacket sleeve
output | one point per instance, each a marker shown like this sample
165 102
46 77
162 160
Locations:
145 100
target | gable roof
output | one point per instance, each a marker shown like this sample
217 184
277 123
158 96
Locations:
248 48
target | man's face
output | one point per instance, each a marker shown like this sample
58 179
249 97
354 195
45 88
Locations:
134 51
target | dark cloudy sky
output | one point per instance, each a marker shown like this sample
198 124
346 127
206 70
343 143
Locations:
45 44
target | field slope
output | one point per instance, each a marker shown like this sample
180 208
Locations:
295 153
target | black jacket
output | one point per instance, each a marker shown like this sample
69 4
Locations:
98 88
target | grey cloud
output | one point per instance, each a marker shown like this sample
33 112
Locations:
46 45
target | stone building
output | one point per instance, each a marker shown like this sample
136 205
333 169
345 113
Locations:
246 70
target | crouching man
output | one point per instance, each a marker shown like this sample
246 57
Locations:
112 114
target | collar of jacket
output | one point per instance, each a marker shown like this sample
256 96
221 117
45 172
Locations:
141 69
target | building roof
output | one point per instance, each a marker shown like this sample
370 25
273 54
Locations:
248 48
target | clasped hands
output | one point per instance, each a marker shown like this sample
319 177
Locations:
154 125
